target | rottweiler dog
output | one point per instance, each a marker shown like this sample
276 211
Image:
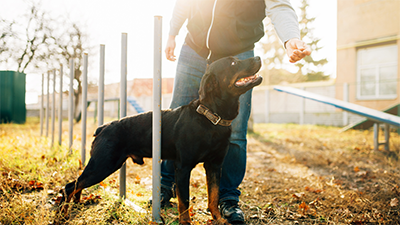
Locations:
193 133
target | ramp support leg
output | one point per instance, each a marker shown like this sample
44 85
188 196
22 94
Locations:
376 137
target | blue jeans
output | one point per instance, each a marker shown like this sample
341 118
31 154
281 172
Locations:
190 69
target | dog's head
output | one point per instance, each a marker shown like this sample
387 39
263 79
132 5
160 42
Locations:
229 77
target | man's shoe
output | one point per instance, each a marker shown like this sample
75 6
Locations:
230 210
165 195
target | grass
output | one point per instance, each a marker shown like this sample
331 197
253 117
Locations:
295 175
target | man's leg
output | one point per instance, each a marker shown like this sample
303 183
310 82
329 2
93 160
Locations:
190 69
234 167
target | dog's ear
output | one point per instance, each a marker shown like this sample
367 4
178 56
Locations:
208 84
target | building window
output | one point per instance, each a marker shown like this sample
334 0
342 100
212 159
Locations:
377 72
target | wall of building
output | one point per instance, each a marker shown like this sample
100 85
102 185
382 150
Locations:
365 23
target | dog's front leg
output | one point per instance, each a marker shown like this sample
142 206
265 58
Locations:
182 177
213 173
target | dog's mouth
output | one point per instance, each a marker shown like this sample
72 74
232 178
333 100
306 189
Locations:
246 81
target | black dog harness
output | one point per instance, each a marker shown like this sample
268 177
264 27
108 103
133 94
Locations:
213 117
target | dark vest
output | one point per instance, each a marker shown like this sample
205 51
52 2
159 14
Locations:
237 25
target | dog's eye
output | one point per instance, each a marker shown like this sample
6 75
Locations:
233 63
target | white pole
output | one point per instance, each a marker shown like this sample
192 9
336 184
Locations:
41 106
100 100
47 103
53 109
122 102
60 106
71 104
157 119
84 108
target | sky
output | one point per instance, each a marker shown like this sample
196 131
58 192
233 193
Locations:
106 20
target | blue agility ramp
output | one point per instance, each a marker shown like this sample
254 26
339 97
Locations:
351 107
372 114
135 105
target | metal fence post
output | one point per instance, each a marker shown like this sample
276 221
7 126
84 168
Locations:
41 106
71 104
157 119
122 102
100 100
60 103
47 103
84 107
53 109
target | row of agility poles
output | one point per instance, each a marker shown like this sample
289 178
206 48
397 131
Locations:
156 184
45 111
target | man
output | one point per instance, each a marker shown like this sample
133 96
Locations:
216 29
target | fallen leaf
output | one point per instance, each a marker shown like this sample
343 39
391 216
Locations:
298 195
33 185
137 180
304 207
356 169
103 184
316 191
394 202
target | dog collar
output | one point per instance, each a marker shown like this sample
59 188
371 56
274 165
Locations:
213 117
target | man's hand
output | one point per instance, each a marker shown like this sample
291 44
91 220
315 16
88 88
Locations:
297 49
169 49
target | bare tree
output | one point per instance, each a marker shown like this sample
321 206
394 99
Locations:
6 34
44 44
37 35
71 44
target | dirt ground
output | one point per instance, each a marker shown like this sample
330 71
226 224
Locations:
317 175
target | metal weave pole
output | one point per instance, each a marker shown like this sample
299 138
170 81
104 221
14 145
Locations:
53 109
100 99
60 102
84 107
47 103
41 107
71 104
157 119
122 102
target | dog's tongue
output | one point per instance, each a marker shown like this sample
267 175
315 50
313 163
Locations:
246 80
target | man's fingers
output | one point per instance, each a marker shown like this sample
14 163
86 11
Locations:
169 53
295 56
300 51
